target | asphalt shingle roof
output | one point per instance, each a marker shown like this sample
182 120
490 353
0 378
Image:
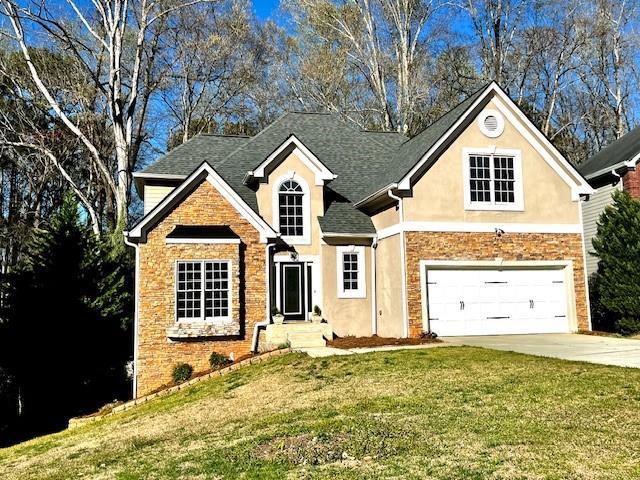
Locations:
363 161
622 150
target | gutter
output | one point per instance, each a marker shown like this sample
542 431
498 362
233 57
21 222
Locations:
403 265
135 310
383 191
257 326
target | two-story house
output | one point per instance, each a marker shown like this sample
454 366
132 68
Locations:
471 227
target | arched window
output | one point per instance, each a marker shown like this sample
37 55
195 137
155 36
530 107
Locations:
290 200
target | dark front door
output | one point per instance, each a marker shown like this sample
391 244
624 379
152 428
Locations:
292 292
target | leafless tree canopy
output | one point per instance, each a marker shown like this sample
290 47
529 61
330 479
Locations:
89 91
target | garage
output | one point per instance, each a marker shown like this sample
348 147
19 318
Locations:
496 301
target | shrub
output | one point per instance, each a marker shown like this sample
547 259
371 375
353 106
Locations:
217 360
182 372
628 325
617 244
275 311
316 310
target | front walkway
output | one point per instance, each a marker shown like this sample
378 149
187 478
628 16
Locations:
621 352
330 351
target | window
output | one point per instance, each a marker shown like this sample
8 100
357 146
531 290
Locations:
291 218
351 274
203 290
493 181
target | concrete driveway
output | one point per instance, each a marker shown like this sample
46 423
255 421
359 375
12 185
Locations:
621 352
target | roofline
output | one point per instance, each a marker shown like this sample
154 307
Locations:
376 194
349 235
626 163
164 176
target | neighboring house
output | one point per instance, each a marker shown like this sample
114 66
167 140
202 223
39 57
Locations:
471 227
612 168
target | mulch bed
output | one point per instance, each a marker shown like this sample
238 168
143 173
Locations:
375 341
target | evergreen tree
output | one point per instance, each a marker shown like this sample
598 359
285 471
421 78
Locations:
67 323
617 244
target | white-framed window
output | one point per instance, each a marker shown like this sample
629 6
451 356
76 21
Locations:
351 279
203 290
291 212
291 218
492 179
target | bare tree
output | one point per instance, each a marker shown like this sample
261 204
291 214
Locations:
118 46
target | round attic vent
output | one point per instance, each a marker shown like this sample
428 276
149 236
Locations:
491 123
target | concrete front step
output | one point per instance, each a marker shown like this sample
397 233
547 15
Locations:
306 339
298 334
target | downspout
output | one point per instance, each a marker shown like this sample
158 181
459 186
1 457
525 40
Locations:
374 288
267 272
403 265
135 311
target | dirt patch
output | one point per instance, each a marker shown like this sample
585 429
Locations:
305 449
375 341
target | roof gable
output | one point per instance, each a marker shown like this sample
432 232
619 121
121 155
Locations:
208 173
321 172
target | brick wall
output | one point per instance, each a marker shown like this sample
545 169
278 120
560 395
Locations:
157 354
487 246
631 182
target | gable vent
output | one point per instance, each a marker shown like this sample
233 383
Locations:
491 123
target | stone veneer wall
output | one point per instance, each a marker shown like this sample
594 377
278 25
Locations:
157 354
487 246
631 182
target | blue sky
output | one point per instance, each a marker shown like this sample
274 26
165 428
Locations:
265 8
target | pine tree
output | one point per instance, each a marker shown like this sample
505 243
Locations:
68 316
617 244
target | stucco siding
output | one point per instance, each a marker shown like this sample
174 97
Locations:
439 195
347 316
591 211
389 282
292 167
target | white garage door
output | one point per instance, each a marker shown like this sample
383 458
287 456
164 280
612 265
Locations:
496 302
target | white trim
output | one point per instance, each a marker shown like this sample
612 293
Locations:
578 185
322 173
160 176
219 241
518 204
361 291
305 239
225 190
479 227
202 318
488 112
499 263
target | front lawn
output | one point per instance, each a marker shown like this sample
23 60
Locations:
454 412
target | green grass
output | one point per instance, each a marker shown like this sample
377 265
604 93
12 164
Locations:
452 412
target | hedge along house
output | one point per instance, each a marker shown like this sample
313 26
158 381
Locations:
471 227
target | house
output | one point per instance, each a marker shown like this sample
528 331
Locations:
612 168
471 227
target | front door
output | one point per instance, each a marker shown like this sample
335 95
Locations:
292 292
